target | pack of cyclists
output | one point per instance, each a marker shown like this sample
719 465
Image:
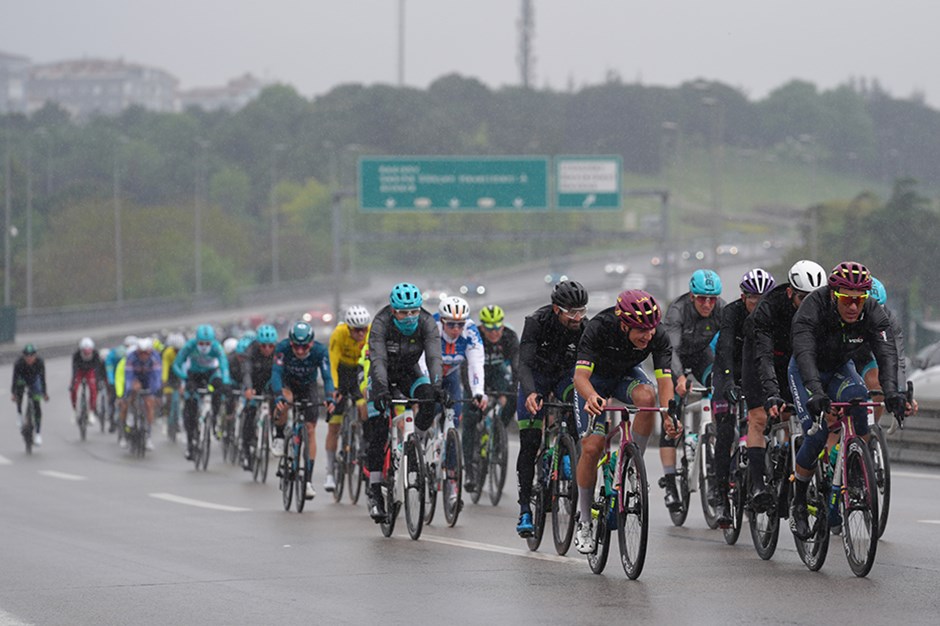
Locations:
796 345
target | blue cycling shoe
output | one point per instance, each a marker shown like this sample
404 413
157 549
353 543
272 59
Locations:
525 527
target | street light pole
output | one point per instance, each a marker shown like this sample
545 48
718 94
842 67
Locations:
716 124
29 230
202 172
8 214
275 253
118 258
401 43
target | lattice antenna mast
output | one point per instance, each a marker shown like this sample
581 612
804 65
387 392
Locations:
526 57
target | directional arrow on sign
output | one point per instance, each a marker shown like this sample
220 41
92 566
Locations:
518 203
390 203
454 203
589 200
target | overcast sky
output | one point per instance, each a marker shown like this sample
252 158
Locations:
314 45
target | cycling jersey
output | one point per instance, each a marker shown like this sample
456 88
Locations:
199 363
344 350
110 363
467 349
94 364
168 356
730 347
822 342
607 352
145 370
394 357
298 373
257 372
501 361
547 347
767 348
690 334
32 376
865 360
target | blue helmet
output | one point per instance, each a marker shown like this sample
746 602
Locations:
266 334
405 296
243 344
301 334
705 283
205 332
877 291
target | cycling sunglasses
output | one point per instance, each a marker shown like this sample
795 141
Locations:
574 313
455 324
407 312
706 299
849 300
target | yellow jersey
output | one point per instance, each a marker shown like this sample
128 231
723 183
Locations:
344 349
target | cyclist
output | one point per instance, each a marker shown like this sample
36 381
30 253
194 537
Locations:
864 361
255 379
501 357
462 346
87 366
615 343
547 354
297 360
142 375
727 379
691 323
201 363
29 373
830 323
346 344
236 364
765 357
401 332
112 361
174 343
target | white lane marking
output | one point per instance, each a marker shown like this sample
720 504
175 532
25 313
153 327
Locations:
915 475
488 547
62 475
7 619
169 497
928 521
5 461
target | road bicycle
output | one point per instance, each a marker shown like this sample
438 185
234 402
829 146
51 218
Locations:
737 472
555 487
490 459
348 463
695 417
261 449
292 469
174 413
231 431
882 461
203 444
621 496
443 457
82 405
780 446
136 427
404 480
103 408
28 427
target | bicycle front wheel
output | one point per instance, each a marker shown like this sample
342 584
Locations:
452 487
706 476
300 470
682 486
882 466
83 418
498 460
859 508
736 507
412 472
764 523
564 494
286 483
633 512
354 461
813 550
205 443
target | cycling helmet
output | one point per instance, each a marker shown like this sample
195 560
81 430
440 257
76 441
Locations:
638 309
806 275
205 332
757 281
454 308
229 345
266 334
243 344
405 296
301 334
570 294
492 316
130 341
878 291
249 335
705 283
29 349
145 344
176 340
357 316
850 275
86 344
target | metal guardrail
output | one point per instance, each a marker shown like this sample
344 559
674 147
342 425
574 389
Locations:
919 442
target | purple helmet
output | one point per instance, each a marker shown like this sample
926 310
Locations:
638 309
850 275
757 281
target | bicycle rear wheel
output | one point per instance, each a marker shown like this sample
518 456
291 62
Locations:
735 507
286 483
859 508
882 466
300 469
564 494
27 429
498 460
205 443
354 473
706 476
633 512
476 464
597 560
412 473
682 486
764 524
540 505
83 417
452 487
433 474
813 551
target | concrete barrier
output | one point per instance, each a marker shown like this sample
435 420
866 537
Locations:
919 442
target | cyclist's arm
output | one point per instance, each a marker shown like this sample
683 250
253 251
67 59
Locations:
224 372
277 375
898 332
432 348
512 350
672 325
181 358
475 357
337 337
884 347
378 356
156 374
328 384
803 336
528 347
759 331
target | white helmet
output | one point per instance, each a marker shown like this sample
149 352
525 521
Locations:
357 316
130 341
86 344
176 340
454 308
806 275
229 345
145 344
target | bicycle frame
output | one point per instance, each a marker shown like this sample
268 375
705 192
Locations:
846 435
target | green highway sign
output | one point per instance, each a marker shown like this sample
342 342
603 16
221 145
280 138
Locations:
588 182
453 183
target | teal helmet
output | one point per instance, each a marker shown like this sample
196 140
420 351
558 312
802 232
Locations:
705 283
405 296
266 334
301 334
243 344
877 291
205 332
29 349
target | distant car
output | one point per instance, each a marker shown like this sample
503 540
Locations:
688 255
727 249
318 317
472 289
553 278
433 295
616 269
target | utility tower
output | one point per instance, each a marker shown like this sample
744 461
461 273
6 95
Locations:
526 58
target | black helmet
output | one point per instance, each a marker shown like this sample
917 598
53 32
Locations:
29 349
570 294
